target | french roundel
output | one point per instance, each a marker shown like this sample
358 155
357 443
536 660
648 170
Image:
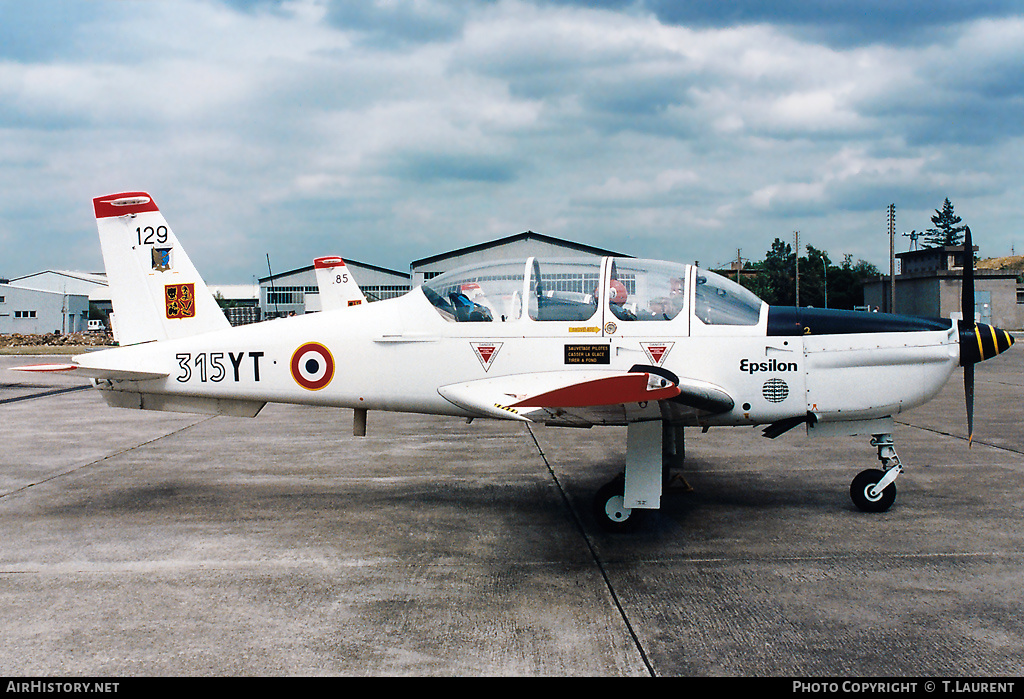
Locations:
312 366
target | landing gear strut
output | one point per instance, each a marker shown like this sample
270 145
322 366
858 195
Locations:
651 447
874 490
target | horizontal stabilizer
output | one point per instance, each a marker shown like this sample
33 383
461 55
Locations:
94 372
42 368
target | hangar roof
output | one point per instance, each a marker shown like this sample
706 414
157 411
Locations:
527 235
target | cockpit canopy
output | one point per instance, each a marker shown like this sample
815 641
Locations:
572 290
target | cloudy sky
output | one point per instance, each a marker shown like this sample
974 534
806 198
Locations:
392 130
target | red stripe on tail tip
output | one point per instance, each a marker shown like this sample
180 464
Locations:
123 204
328 262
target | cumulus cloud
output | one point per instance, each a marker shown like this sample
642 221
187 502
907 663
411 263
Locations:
392 130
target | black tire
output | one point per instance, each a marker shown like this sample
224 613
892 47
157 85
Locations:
861 487
609 512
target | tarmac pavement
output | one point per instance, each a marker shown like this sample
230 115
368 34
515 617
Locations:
141 543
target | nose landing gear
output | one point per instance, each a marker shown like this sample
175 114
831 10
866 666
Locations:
874 490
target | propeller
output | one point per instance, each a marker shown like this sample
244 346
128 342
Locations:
968 325
978 341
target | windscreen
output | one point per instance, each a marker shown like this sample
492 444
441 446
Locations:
721 301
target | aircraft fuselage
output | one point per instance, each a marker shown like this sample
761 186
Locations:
393 355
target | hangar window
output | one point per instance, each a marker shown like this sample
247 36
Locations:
564 289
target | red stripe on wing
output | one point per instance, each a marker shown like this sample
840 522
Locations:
631 388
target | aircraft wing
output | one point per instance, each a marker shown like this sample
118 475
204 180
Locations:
582 398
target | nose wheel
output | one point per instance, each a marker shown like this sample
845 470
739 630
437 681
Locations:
874 490
867 496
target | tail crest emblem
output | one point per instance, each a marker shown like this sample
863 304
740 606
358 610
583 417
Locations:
180 300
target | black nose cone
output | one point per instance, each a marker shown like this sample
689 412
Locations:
982 342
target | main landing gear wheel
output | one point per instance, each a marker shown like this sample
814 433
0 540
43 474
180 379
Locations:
864 495
609 510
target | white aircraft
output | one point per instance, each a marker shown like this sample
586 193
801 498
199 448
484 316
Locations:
651 345
338 288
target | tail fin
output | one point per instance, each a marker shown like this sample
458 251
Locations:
156 292
338 288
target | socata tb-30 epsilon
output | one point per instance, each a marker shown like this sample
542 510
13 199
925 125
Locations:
651 345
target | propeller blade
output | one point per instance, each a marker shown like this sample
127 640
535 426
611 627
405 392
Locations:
978 341
967 307
969 399
967 290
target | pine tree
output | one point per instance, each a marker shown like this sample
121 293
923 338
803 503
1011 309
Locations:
946 231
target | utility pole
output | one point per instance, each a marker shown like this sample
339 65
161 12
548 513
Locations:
739 265
824 281
797 236
892 258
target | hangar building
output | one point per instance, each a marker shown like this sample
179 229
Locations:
38 311
519 246
296 291
241 298
91 284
